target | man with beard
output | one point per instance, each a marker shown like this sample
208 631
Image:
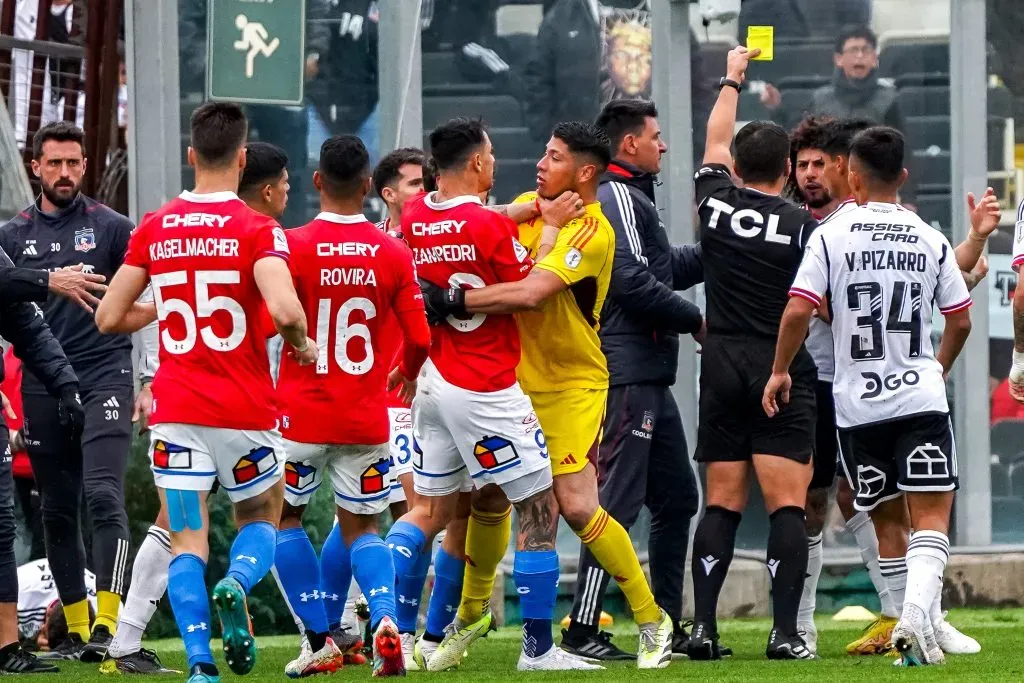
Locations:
64 228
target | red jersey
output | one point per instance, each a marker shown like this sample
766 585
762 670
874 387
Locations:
393 343
199 250
355 284
11 388
459 243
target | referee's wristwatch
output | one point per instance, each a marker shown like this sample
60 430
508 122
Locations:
729 82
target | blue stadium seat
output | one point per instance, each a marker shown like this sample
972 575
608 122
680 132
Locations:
803 59
924 100
932 172
496 110
439 68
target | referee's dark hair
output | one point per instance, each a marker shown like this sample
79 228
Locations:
264 164
620 118
218 131
837 135
453 143
585 139
762 150
878 154
344 166
389 168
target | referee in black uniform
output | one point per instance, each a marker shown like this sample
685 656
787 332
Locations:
64 228
643 459
34 344
752 241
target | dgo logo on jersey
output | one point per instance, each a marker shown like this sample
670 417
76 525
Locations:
258 462
495 451
374 478
167 456
85 239
299 475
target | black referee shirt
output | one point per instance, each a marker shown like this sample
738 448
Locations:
85 232
752 246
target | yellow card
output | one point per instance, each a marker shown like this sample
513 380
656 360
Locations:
764 38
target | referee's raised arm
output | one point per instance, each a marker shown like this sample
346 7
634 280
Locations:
722 122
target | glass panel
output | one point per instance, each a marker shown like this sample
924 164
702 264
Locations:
1005 20
340 91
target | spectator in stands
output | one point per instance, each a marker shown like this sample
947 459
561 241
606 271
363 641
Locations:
855 91
589 52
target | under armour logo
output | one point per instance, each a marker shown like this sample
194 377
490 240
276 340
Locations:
192 628
247 558
305 597
406 601
329 596
383 590
772 566
709 563
449 608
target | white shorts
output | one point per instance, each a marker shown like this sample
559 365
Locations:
190 457
400 443
360 475
468 437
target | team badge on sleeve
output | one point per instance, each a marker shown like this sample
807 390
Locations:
573 258
298 475
258 462
495 451
520 250
374 478
167 456
280 241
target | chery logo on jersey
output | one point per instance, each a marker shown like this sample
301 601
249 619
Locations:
167 456
258 462
374 478
194 220
495 451
298 475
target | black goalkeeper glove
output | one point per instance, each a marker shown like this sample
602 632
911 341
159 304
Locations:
441 303
70 411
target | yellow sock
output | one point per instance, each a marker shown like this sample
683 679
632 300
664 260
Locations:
77 616
486 541
613 550
107 606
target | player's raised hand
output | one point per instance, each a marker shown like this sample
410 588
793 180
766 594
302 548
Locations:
737 62
305 354
408 386
1016 381
559 211
985 213
75 284
778 387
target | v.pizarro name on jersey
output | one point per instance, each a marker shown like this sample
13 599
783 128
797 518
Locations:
443 253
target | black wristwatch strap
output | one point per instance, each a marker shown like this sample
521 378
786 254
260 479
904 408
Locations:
731 83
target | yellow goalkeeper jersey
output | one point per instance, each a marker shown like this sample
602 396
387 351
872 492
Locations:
560 346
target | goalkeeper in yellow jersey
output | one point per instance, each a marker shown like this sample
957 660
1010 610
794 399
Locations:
564 372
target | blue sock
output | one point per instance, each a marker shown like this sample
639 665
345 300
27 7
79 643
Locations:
536 576
447 592
299 570
375 572
335 576
411 555
186 588
252 554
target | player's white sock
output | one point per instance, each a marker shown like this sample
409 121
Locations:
867 543
815 556
927 554
349 619
280 587
894 572
935 614
149 582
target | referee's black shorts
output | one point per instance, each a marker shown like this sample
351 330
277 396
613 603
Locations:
732 424
826 452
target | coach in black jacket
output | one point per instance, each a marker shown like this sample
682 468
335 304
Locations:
643 457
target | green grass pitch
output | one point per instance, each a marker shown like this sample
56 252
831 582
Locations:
494 658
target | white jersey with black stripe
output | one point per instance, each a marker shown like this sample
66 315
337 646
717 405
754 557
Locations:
37 590
882 270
